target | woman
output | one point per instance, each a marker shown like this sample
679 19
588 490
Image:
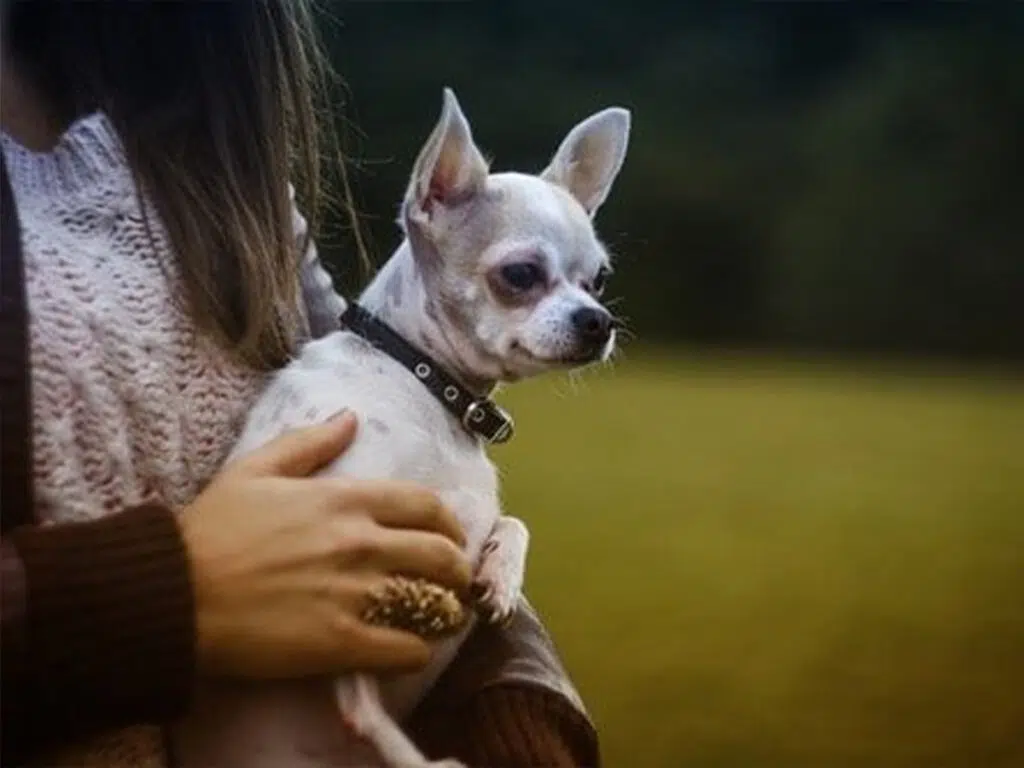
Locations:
157 270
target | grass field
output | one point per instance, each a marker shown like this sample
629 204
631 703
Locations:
756 564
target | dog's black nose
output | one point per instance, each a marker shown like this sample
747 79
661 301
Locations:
593 326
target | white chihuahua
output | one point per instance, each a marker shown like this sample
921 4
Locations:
499 277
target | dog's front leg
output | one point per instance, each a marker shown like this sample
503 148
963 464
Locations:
499 578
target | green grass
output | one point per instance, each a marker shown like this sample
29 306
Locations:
755 564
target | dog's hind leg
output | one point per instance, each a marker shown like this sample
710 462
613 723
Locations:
362 710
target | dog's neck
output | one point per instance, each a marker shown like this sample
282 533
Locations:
398 296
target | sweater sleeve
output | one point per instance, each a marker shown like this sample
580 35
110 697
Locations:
322 303
507 701
508 725
98 628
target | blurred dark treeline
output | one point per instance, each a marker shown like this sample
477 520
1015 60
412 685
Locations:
840 176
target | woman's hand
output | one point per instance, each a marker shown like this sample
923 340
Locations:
283 563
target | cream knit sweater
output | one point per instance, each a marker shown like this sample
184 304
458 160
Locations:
128 400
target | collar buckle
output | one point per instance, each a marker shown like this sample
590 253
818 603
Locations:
497 429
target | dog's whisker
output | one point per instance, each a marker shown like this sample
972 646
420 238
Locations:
575 380
622 328
557 388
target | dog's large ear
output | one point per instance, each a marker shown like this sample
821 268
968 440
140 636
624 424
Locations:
591 156
450 169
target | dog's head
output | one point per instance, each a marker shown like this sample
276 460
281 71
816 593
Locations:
513 269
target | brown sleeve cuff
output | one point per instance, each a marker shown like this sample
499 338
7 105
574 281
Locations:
109 624
510 725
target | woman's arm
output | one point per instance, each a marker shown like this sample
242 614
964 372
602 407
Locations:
97 622
508 725
97 627
322 303
506 701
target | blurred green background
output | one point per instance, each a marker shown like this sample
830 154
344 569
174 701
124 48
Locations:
748 562
786 527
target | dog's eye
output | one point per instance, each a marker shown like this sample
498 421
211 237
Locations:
600 280
523 276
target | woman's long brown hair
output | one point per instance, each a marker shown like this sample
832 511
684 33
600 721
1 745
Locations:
220 105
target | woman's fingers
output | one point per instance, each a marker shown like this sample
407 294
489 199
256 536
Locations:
391 503
300 452
372 648
397 504
426 555
363 546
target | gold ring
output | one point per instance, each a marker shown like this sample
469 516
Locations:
416 605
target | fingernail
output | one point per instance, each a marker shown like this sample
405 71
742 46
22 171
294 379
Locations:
338 415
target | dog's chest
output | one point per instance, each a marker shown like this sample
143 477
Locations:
404 432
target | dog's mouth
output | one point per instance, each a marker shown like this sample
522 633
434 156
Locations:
569 360
579 359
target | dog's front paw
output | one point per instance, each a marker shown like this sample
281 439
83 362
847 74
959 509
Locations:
495 589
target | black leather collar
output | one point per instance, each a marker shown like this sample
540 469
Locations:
480 416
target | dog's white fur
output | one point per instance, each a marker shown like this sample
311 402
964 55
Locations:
443 290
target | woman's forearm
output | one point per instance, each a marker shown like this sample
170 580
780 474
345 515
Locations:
508 725
98 628
506 700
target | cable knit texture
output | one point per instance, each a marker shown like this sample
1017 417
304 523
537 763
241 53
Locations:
129 403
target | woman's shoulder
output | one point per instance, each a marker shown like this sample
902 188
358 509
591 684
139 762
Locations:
89 156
